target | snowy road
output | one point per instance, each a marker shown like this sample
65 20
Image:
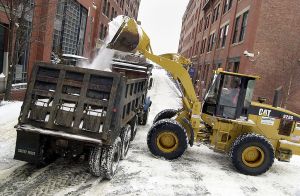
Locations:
199 172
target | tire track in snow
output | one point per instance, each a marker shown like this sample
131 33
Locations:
28 180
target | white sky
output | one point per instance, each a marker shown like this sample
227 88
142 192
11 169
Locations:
161 20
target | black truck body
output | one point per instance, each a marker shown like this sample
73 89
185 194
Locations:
69 110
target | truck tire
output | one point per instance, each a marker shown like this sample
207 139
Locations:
167 139
133 125
95 160
252 154
126 138
165 114
144 118
104 161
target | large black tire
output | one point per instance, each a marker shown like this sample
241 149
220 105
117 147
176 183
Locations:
104 161
252 154
167 139
165 114
126 138
134 124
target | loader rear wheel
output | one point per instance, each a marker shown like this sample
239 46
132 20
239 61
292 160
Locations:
104 161
126 136
167 139
252 154
165 114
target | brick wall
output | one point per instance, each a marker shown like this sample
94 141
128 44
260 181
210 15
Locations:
278 42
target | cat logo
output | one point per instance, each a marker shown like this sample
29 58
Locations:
264 112
288 117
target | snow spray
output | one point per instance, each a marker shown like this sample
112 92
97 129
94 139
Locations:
103 60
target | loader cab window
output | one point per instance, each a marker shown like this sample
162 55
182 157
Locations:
211 98
229 96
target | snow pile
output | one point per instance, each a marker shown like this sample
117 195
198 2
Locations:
9 112
2 75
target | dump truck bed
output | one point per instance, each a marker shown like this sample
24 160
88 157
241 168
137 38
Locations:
83 104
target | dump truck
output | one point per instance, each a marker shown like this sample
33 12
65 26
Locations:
71 111
253 134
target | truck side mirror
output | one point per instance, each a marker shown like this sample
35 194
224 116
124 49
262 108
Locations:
150 83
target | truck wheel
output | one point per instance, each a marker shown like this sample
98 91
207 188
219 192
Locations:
133 125
144 119
167 139
126 136
165 114
104 161
252 154
95 160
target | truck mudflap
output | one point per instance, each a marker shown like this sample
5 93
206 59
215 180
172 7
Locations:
27 147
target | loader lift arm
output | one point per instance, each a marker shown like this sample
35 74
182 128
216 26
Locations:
131 38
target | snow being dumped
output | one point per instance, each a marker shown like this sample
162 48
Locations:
103 60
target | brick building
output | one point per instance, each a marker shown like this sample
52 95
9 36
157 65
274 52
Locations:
216 33
61 27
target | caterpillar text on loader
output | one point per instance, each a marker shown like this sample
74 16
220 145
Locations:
252 133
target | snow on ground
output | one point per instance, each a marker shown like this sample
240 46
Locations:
199 171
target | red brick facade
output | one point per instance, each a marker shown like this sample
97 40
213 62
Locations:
268 29
44 21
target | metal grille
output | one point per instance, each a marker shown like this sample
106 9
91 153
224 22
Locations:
70 25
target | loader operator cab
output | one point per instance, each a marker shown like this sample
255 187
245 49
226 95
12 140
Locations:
229 95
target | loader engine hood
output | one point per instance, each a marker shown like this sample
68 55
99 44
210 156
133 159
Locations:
274 112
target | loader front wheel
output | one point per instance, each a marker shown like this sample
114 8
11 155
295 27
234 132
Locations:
252 154
165 114
168 139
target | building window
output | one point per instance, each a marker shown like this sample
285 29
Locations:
101 31
211 42
223 35
216 13
197 48
108 9
233 66
236 29
104 6
207 22
112 13
203 44
200 25
236 67
243 27
227 6
105 32
69 33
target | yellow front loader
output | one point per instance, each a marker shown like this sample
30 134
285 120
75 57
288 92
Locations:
253 134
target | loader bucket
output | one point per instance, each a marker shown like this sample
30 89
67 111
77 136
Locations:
127 35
